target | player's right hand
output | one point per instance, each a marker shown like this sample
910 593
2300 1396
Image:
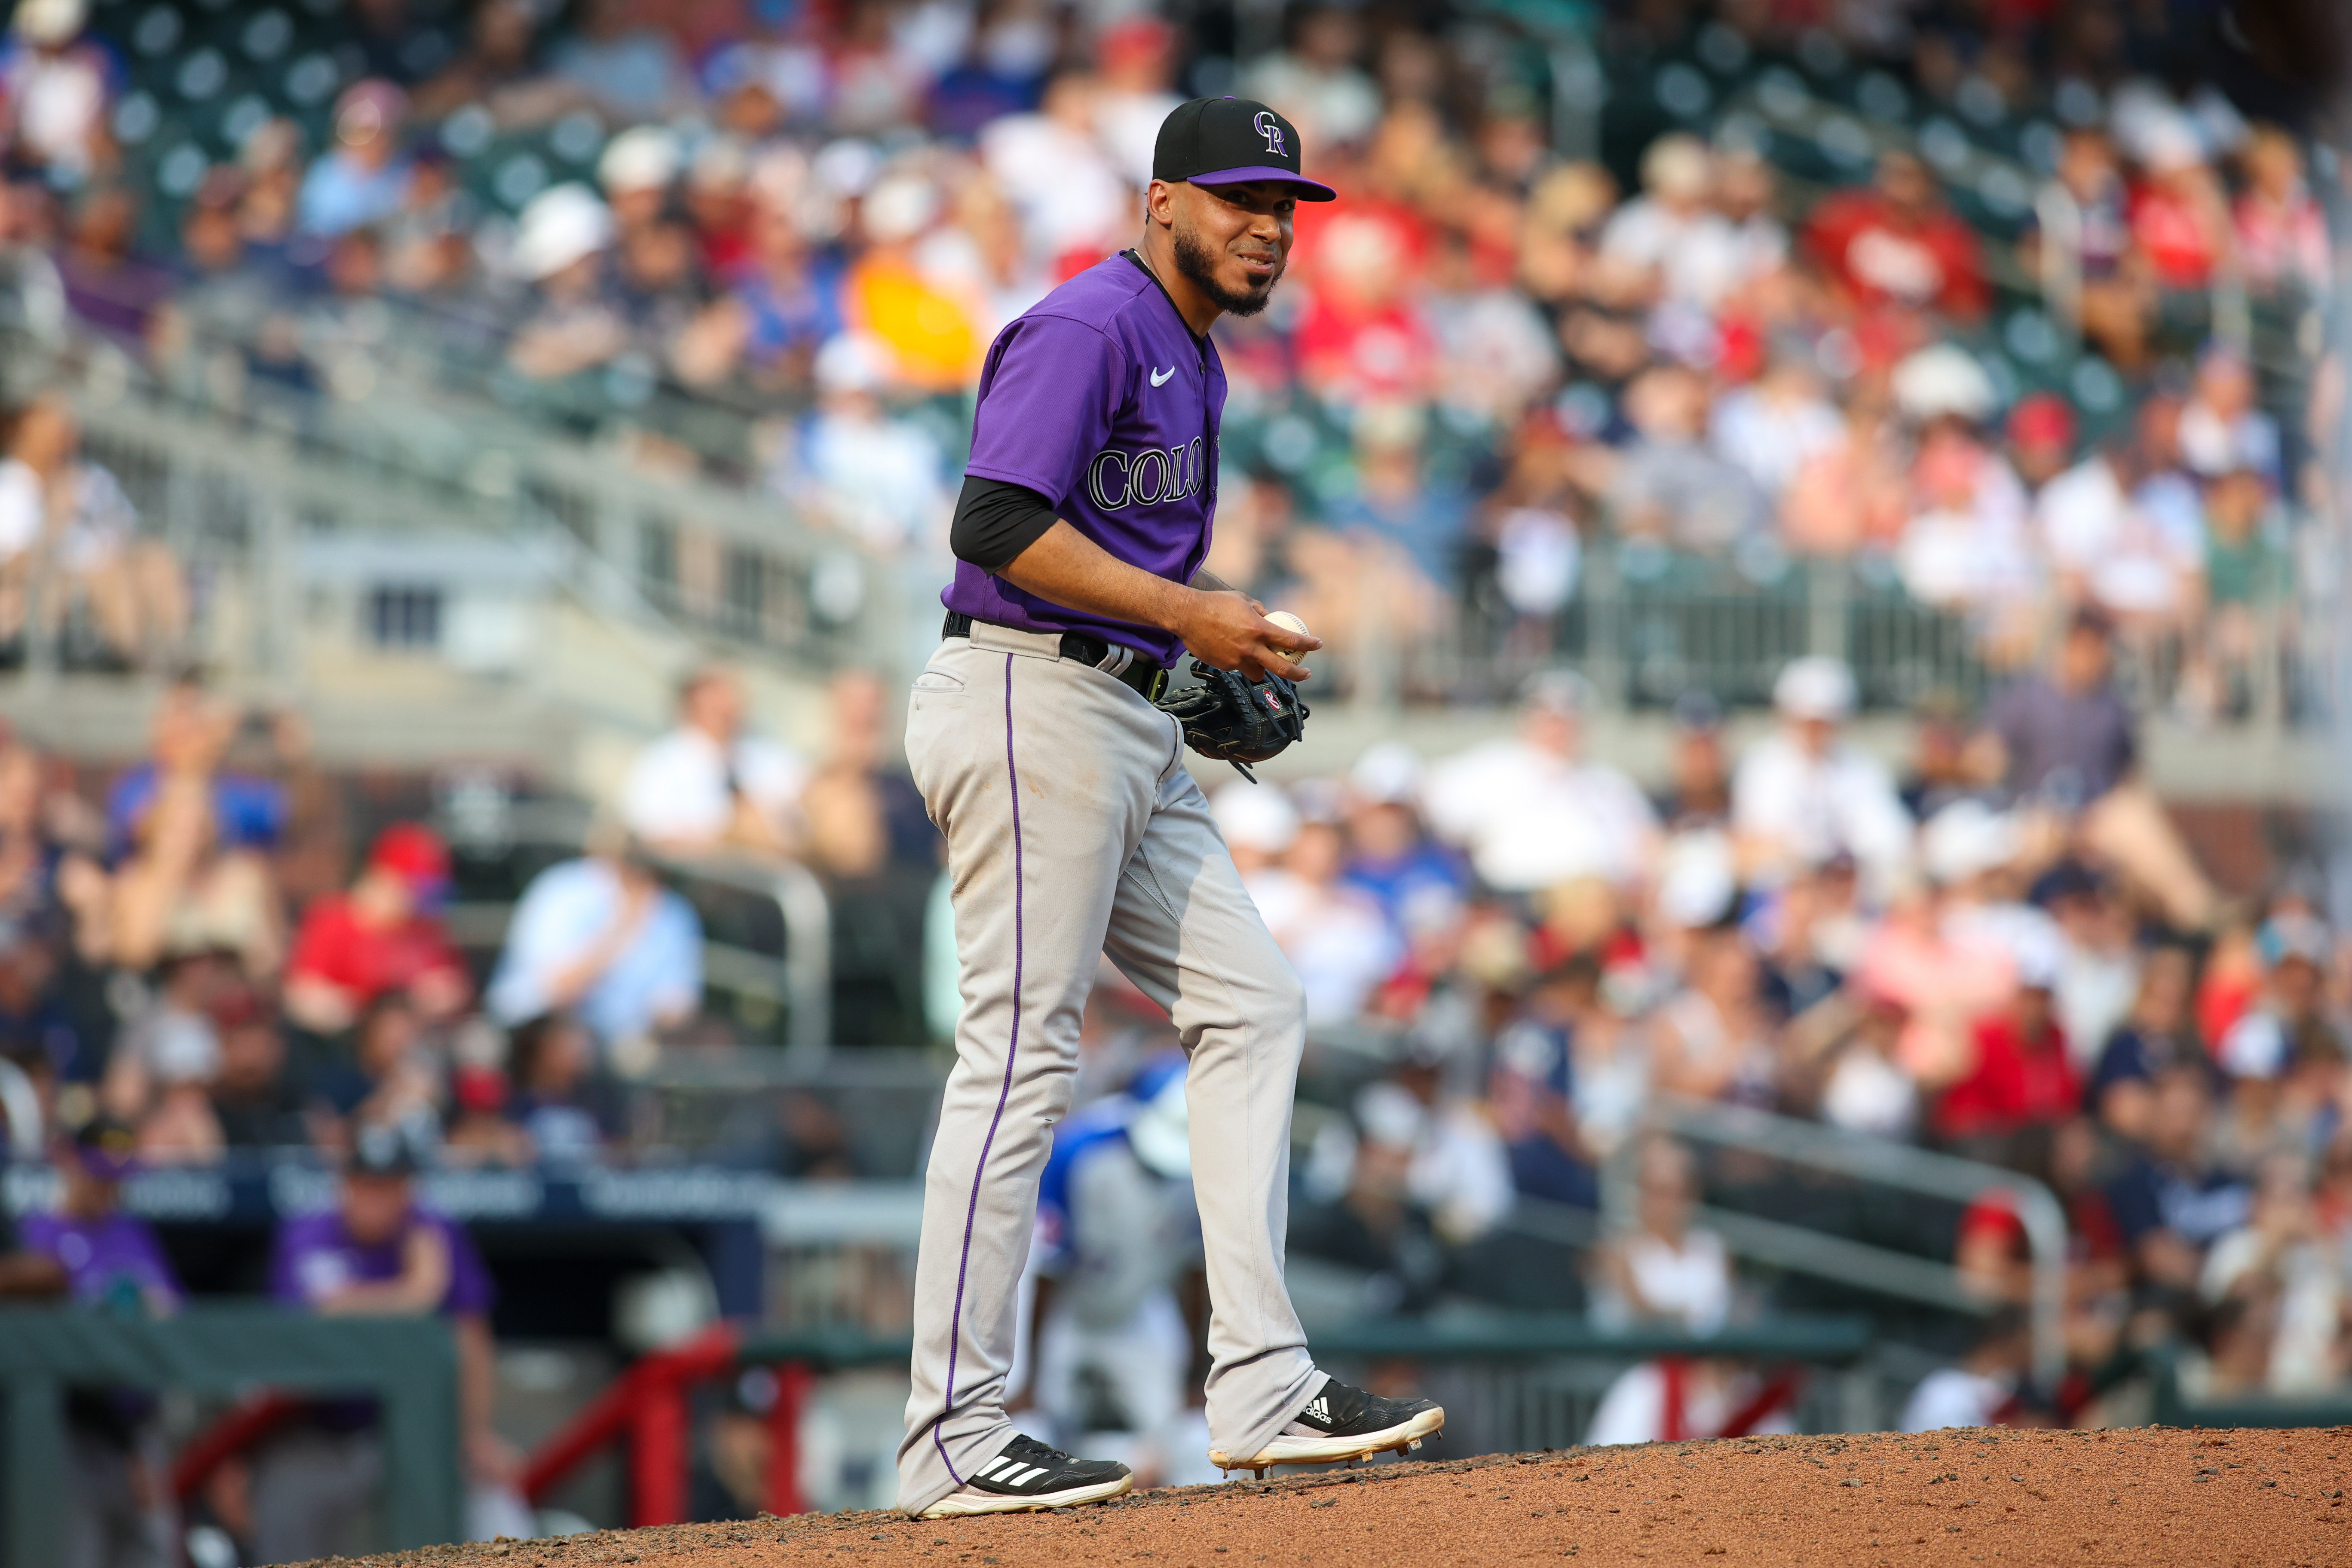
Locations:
1228 630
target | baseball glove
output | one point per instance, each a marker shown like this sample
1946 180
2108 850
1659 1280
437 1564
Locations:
1236 719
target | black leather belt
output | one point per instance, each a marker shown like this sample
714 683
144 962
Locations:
1118 661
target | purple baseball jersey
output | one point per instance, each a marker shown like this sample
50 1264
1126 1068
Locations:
99 1254
316 1256
1101 400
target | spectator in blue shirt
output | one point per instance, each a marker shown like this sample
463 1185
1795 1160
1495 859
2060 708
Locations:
557 1100
1390 855
1535 1086
2157 1036
363 179
188 735
37 1031
2173 1202
602 939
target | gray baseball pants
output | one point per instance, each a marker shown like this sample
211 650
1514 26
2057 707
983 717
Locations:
1075 831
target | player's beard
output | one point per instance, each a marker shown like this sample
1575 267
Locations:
1196 261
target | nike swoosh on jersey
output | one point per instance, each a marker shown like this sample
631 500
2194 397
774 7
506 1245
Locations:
1159 377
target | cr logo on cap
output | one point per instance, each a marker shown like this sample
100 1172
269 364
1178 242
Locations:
1271 129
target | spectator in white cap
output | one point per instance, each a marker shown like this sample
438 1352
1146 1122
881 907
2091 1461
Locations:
1258 822
637 169
560 242
1333 933
1389 855
56 84
1970 851
1944 381
1672 232
875 476
2221 427
1531 812
1805 794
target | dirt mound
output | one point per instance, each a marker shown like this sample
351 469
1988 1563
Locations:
2145 1496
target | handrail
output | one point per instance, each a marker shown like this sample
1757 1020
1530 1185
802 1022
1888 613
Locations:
1875 1268
808 953
801 979
598 524
1830 1256
807 963
1864 1158
1831 1340
2176 1406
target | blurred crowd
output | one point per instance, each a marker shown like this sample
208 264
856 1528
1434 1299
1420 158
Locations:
203 961
2004 950
206 948
1488 361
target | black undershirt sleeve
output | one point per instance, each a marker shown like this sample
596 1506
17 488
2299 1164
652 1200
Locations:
995 521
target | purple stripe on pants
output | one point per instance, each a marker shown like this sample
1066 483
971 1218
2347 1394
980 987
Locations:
1011 1048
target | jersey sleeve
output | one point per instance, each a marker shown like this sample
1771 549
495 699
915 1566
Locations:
1052 393
287 1250
471 1293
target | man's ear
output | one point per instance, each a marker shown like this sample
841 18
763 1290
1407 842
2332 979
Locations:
1160 203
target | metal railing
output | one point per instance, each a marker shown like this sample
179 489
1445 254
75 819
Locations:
798 981
241 500
1647 622
1872 1161
243 495
1517 1382
2181 1400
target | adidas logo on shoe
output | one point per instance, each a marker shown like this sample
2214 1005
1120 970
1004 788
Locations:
1028 1475
1342 1422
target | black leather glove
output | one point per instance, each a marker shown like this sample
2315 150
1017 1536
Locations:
1236 719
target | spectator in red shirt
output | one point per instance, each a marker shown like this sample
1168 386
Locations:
383 935
2023 1076
1361 335
1895 243
2179 215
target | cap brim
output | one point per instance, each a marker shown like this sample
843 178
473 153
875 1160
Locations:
1309 190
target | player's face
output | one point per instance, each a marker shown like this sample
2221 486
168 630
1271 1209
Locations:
1233 241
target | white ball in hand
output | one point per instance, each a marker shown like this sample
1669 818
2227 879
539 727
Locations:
1290 622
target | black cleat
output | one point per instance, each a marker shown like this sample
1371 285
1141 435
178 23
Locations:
1342 1423
1028 1475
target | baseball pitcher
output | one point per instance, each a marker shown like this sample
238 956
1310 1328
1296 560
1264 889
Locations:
1037 736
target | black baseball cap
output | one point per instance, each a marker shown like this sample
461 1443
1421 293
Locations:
1232 142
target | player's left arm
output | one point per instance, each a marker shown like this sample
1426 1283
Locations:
1220 626
995 521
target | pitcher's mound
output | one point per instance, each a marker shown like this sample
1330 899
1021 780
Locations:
2146 1497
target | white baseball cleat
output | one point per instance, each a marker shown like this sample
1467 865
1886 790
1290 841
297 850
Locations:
1342 1422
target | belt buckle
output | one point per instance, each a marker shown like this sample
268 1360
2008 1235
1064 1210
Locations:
1159 687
